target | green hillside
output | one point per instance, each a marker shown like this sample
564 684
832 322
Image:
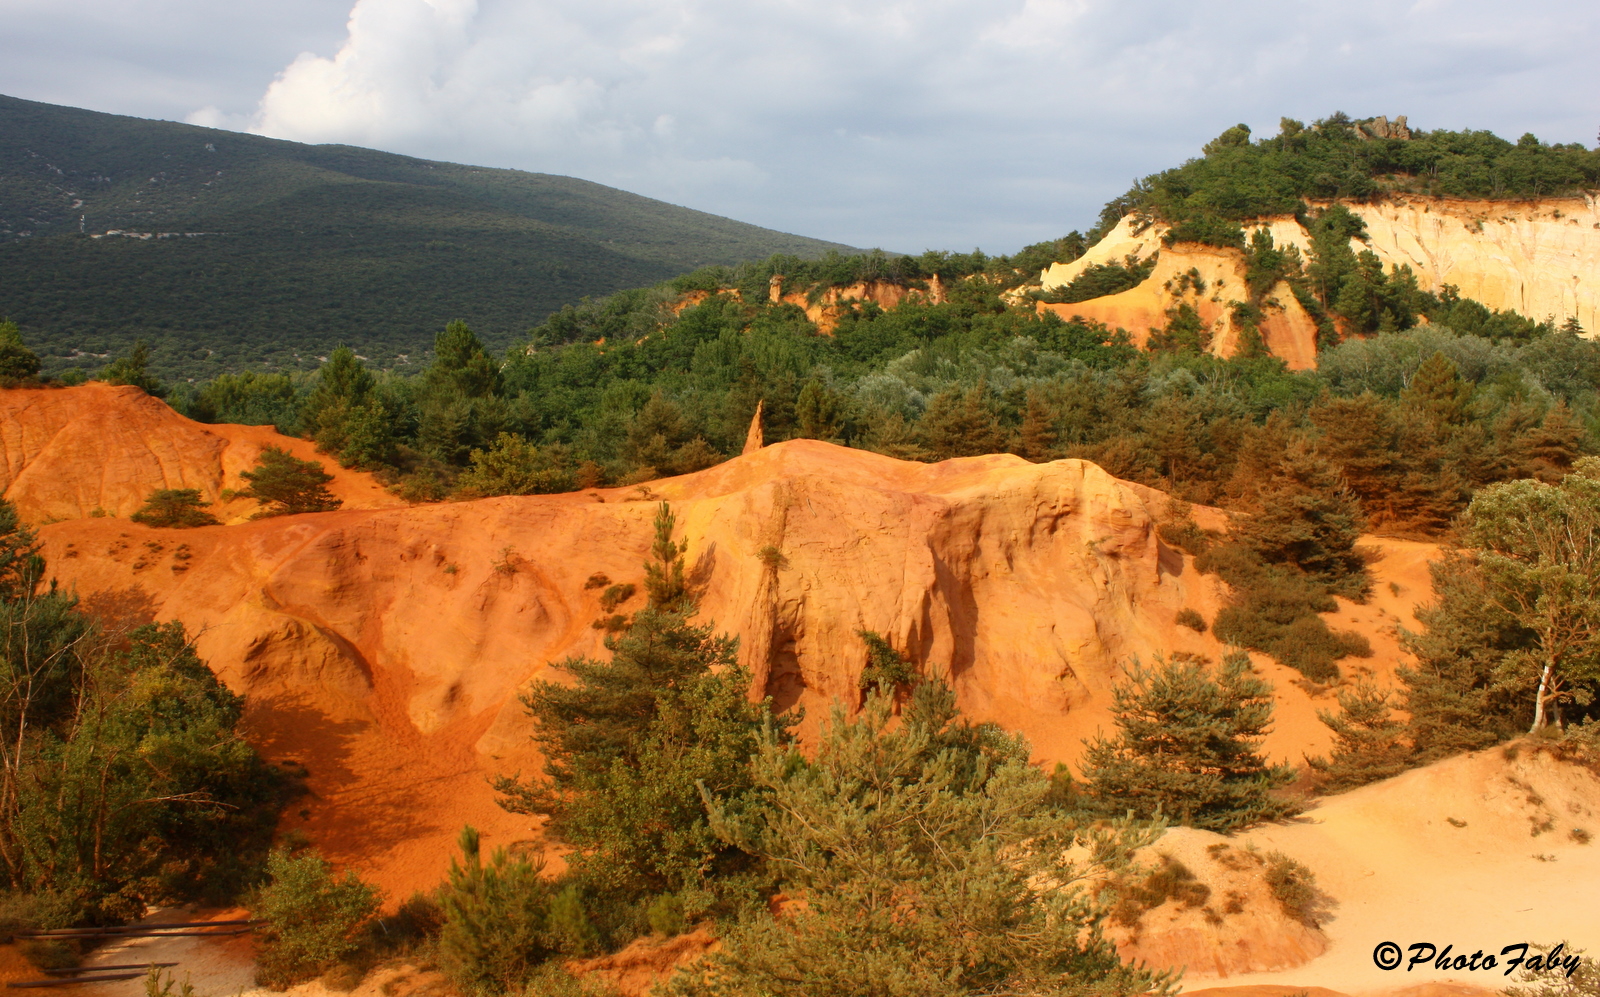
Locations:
263 253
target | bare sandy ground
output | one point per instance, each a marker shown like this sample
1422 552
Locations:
1476 852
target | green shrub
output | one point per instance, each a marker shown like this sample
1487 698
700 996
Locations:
1368 742
175 507
571 929
513 465
929 862
496 919
1192 619
1294 887
886 668
1555 980
313 918
17 362
1274 609
665 914
1170 880
287 485
1102 279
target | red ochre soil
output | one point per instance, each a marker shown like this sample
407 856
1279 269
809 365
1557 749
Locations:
384 648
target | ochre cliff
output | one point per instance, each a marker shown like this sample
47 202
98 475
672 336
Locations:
70 452
825 308
1540 258
1210 280
384 647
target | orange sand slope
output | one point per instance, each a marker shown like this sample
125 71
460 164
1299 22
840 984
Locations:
384 648
69 452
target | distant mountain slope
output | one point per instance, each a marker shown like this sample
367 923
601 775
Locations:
228 249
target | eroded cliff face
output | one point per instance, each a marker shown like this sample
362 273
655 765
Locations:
826 308
1210 280
384 648
66 453
1540 258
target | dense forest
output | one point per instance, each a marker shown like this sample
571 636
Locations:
229 252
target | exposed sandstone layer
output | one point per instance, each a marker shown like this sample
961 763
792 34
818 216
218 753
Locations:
384 648
825 309
1210 280
68 452
1540 258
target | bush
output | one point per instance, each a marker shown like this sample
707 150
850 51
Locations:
17 362
131 369
1192 619
1294 887
1171 880
1368 742
513 465
496 918
175 507
313 919
1274 609
1552 978
287 485
930 864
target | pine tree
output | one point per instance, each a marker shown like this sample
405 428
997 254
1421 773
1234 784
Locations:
286 485
175 507
1438 391
461 362
930 862
633 743
17 362
1036 439
1188 748
21 564
1358 436
1368 741
132 370
1185 332
1452 696
820 411
1306 519
496 918
962 424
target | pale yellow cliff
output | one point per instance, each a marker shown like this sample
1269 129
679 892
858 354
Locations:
1540 258
1211 281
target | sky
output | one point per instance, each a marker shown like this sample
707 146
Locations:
904 124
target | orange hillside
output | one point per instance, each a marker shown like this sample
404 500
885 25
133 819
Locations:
71 451
383 648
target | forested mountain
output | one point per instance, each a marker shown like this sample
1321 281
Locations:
228 250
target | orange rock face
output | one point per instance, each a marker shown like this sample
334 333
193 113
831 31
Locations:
384 648
69 452
826 308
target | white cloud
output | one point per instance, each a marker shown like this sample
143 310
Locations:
905 123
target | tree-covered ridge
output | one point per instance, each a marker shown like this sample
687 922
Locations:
1335 159
264 254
